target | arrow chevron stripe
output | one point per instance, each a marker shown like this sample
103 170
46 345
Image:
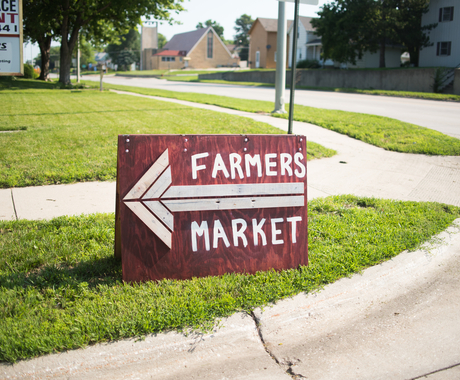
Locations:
153 200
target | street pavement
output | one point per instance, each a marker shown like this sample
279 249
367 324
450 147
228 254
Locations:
438 115
397 320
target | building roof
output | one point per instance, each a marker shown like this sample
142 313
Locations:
172 53
306 22
269 24
316 41
185 41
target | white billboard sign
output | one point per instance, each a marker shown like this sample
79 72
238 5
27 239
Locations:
11 37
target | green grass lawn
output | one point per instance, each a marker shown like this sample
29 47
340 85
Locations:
400 94
384 132
67 136
61 288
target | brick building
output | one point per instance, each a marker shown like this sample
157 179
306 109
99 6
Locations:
199 49
262 43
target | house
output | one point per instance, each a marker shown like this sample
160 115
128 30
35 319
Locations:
445 51
262 43
393 58
309 47
308 43
199 49
103 58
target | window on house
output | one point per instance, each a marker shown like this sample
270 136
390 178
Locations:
168 59
443 48
210 42
446 14
275 56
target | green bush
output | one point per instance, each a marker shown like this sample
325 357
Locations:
308 64
29 72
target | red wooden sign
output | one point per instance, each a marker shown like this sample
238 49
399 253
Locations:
199 205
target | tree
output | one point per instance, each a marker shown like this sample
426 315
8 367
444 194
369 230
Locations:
409 27
99 20
53 57
126 49
243 25
162 41
348 28
87 53
38 27
217 27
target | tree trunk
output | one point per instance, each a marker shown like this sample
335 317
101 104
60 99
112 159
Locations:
382 53
414 55
69 37
65 58
45 48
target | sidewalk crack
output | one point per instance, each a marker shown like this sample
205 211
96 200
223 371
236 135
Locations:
434 372
289 370
14 205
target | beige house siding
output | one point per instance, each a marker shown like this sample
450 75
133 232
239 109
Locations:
220 56
257 42
270 55
263 35
156 63
197 56
178 63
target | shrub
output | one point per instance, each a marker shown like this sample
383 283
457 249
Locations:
29 72
308 64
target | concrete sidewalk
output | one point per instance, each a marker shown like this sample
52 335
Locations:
358 168
397 320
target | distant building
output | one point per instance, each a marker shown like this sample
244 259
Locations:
445 51
263 43
199 49
308 43
149 45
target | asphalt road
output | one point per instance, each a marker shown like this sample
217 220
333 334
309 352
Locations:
438 115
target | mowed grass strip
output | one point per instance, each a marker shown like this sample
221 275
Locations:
71 136
61 288
399 94
384 132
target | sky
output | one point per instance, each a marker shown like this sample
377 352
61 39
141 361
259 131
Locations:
223 12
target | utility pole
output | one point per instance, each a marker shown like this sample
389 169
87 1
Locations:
280 78
293 64
281 49
78 58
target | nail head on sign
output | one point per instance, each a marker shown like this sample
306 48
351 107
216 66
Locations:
127 150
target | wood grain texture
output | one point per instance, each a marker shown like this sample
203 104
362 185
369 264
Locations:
234 238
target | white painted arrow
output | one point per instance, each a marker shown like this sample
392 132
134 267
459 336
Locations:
154 192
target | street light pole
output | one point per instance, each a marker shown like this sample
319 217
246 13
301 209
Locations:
282 46
78 58
280 79
293 64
